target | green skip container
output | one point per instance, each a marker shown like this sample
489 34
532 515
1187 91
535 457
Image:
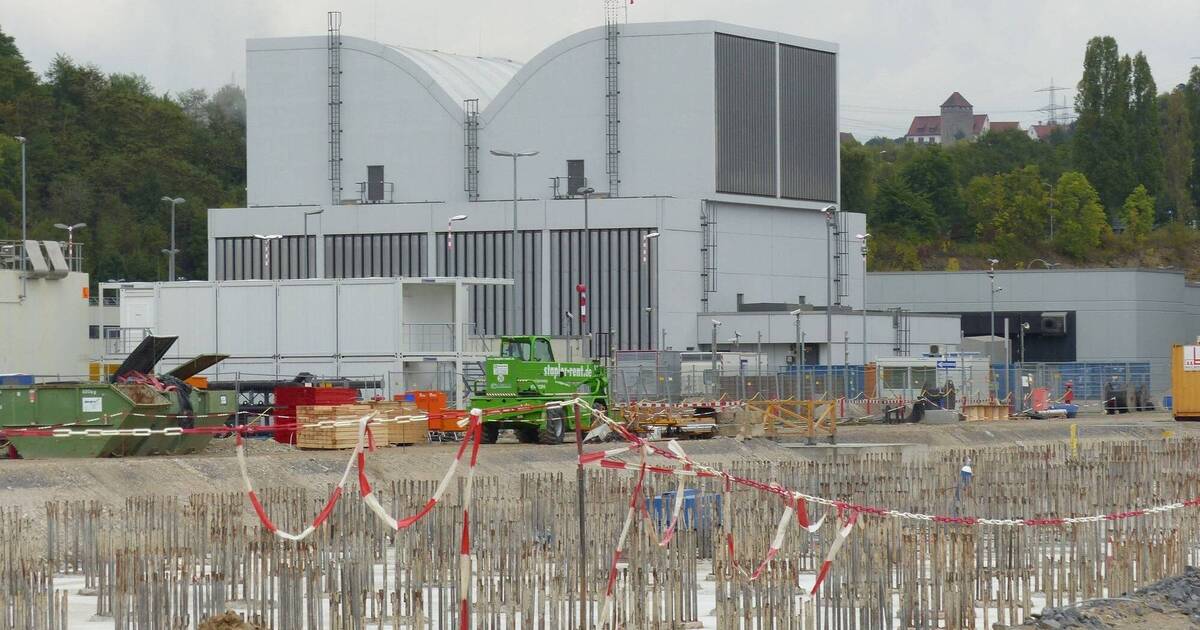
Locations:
79 406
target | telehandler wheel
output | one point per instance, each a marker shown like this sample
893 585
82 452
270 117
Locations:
491 433
553 428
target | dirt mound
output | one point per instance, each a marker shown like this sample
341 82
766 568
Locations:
1170 604
229 620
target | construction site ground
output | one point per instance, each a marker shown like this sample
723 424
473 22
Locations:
28 484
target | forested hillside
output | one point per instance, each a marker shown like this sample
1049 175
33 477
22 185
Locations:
103 149
1118 187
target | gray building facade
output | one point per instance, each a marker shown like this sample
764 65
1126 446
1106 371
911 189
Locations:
1086 315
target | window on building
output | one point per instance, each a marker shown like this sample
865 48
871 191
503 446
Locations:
93 332
112 332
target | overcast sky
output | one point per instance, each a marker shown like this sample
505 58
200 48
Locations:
899 58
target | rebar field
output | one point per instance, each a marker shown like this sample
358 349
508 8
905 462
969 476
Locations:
158 562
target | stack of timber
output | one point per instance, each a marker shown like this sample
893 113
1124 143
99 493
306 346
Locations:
333 437
397 423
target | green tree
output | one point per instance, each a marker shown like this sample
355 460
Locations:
1179 154
1137 214
932 174
1147 157
1080 219
1192 99
857 183
1009 210
902 211
1102 139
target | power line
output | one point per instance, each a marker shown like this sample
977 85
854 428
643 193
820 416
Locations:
1052 108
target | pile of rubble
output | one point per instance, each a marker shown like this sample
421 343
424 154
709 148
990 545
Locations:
1165 605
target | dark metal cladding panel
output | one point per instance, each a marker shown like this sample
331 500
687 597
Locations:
808 124
745 115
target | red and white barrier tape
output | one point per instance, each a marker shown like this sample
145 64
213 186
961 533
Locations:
606 610
715 404
699 470
842 535
65 430
329 504
368 494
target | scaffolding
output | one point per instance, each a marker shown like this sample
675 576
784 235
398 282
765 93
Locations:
471 148
334 44
612 34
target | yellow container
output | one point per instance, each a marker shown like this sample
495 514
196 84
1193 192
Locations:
1185 382
94 370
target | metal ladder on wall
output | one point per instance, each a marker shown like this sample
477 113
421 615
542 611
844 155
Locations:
708 252
612 34
902 332
334 43
841 259
471 148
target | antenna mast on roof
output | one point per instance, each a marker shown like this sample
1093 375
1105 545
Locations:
612 33
1052 108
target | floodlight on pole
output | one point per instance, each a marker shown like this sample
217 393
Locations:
514 155
450 229
266 247
863 239
585 270
304 243
830 212
24 220
174 201
70 236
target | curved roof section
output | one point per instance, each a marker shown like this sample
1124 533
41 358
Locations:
463 77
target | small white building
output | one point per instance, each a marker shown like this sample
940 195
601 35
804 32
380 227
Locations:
410 333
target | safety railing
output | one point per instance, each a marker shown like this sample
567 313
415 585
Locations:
122 341
12 253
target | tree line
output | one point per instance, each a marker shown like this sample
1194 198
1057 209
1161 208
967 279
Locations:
1120 186
104 149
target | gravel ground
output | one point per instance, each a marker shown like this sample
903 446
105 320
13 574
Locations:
1170 604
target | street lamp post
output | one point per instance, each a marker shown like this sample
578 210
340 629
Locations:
653 236
830 222
737 351
174 201
304 243
70 237
863 239
799 361
513 252
24 222
266 245
992 308
585 269
716 379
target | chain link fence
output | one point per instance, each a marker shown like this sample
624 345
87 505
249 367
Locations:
661 376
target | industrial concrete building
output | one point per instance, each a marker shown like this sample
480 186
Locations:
1085 315
720 139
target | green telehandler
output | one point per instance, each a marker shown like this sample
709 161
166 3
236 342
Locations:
526 374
